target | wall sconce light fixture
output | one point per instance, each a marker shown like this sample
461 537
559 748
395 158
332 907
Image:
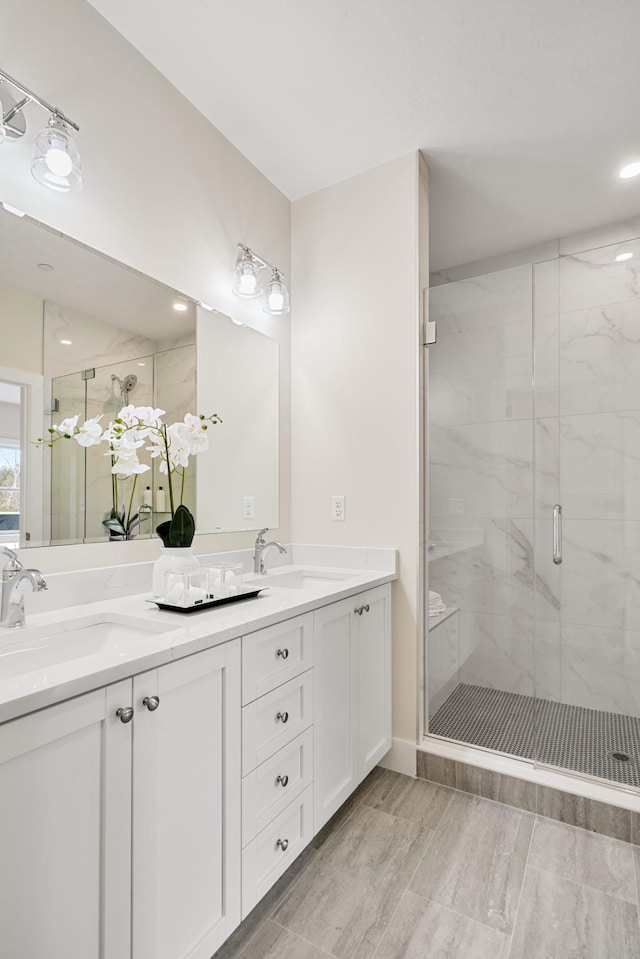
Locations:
246 283
56 160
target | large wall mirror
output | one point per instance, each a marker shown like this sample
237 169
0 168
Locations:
82 334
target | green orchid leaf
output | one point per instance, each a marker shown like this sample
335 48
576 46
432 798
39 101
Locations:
115 525
182 527
163 532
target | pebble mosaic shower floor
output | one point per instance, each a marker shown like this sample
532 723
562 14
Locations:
585 740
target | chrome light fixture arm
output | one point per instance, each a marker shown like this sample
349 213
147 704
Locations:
29 97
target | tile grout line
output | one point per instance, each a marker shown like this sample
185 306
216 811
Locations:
302 939
581 885
524 877
463 792
407 887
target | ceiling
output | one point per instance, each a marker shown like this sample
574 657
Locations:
83 280
524 109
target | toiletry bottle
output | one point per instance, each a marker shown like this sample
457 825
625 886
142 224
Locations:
161 502
147 497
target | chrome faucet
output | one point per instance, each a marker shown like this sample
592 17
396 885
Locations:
12 598
261 548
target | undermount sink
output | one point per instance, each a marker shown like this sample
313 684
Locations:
38 647
301 578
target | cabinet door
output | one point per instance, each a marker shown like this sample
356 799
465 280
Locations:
374 678
187 806
335 732
65 828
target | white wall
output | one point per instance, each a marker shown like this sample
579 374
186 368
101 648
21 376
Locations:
355 417
24 312
164 191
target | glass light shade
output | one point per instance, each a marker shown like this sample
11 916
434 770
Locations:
276 299
56 161
246 283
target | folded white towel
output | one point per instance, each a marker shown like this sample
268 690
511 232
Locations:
178 595
434 597
436 610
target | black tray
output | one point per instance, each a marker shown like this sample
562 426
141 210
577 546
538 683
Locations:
207 603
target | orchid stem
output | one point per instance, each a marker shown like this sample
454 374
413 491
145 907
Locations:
166 448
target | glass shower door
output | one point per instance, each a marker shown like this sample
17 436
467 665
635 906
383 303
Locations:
587 398
480 651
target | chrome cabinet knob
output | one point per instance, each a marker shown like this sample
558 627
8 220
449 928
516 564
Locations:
125 714
282 780
283 717
283 843
284 653
151 702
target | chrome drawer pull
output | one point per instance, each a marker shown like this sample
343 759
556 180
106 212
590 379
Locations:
358 610
283 780
284 717
284 653
366 608
125 714
283 843
151 702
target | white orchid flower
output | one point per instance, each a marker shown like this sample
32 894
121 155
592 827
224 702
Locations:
128 465
68 425
194 431
90 433
141 420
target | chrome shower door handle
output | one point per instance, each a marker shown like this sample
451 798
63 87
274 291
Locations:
557 534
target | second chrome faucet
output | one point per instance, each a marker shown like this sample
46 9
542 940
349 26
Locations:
261 546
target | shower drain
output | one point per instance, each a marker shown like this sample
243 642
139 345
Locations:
621 757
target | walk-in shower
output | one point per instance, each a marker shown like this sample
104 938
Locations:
534 404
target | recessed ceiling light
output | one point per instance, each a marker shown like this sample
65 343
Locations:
46 267
66 342
180 306
623 256
630 170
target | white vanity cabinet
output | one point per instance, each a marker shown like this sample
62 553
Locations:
119 836
65 830
352 695
186 805
277 752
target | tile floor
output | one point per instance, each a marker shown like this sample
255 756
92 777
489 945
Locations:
412 870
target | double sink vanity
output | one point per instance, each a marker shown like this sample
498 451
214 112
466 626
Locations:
159 772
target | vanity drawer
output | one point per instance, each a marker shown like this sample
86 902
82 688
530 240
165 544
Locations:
274 655
272 786
275 719
266 858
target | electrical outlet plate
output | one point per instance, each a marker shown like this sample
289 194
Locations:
249 507
337 509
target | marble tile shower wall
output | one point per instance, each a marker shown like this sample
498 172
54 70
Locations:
481 453
510 455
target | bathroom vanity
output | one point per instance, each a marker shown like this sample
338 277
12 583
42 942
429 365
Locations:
158 778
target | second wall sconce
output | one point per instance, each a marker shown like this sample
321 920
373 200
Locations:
56 160
247 282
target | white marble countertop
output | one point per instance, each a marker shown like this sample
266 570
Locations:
186 634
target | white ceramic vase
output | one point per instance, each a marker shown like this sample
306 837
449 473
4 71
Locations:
171 557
